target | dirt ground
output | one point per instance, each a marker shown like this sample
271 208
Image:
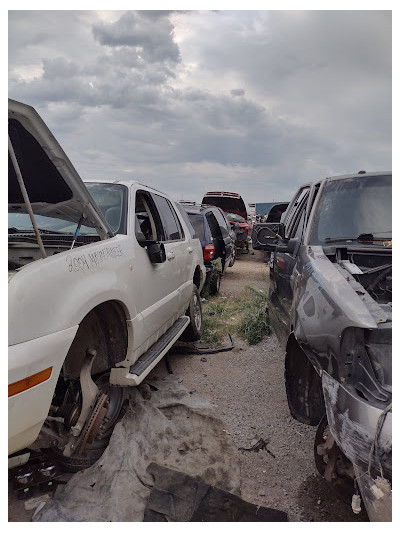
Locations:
246 387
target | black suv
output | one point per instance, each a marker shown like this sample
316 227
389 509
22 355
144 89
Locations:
217 239
331 308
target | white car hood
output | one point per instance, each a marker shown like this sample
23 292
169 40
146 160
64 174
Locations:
54 187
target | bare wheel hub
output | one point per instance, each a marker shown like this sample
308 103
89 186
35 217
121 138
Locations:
332 464
93 424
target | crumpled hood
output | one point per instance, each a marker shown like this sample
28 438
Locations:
330 301
54 187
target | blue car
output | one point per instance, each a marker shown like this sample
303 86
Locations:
217 238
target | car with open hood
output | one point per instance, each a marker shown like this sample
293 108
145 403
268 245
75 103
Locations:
330 304
232 203
103 278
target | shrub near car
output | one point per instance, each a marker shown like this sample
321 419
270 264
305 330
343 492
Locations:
217 239
331 308
103 279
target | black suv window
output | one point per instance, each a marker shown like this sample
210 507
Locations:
198 225
222 223
214 226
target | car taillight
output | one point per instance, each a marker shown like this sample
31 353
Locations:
209 251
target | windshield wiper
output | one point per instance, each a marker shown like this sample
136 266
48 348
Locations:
13 229
363 237
54 232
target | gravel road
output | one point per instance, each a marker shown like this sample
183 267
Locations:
246 386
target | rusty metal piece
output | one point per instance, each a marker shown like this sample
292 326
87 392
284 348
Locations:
330 470
323 449
89 391
92 424
97 425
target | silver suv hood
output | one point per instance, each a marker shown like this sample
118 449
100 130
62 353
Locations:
54 187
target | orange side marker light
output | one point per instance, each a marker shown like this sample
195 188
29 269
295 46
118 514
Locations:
29 382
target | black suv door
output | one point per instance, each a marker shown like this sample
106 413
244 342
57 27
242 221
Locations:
225 227
284 277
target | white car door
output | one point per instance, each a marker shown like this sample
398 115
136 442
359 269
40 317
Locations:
158 298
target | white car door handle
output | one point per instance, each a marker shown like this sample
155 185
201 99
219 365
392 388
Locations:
190 250
170 255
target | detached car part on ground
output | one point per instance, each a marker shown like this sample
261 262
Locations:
232 203
217 239
103 279
331 308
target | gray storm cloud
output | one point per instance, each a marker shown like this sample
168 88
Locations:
254 101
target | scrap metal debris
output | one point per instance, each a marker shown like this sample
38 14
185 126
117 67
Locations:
257 445
35 477
190 347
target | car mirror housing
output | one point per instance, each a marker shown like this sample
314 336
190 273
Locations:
266 235
289 247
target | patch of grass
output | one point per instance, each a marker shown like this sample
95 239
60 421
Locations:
244 315
254 322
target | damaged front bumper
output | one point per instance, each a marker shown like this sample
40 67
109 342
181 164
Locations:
364 434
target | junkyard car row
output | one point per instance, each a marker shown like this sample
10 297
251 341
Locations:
104 277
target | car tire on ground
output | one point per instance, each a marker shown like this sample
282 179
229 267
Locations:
194 330
74 463
215 282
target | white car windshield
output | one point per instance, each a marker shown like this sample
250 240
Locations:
110 198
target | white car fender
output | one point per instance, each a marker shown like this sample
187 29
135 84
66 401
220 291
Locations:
63 288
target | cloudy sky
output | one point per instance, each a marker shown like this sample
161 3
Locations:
254 102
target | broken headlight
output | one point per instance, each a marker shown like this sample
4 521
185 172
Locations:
365 364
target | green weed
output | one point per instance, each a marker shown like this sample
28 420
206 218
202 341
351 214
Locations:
244 315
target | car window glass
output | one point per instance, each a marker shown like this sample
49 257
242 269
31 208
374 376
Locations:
198 225
148 222
214 226
222 223
172 228
296 226
110 198
292 214
352 207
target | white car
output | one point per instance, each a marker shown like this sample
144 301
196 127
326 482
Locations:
103 279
